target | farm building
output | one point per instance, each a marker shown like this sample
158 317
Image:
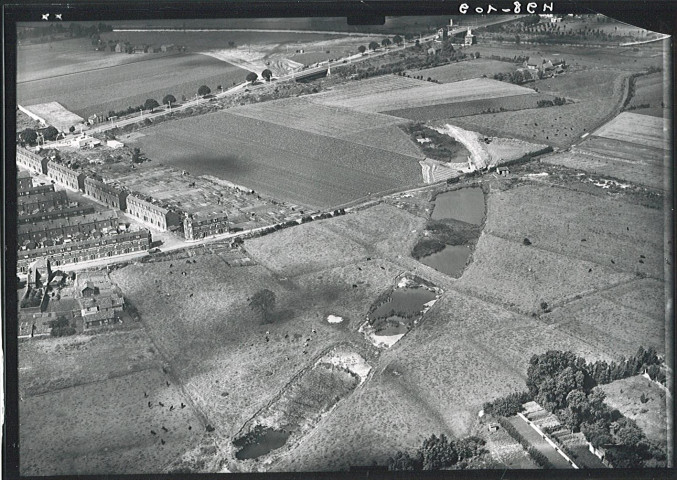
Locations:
114 144
156 216
99 299
201 225
65 176
63 227
167 47
469 39
85 141
109 194
31 160
41 202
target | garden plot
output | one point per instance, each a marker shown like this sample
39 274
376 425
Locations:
600 229
636 128
651 416
301 114
427 95
524 277
106 426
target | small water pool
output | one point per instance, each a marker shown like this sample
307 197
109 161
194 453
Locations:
450 261
404 301
465 204
264 441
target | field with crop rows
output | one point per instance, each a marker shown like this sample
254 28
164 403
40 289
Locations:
392 139
651 417
474 107
105 427
635 128
650 89
301 114
431 94
118 87
285 163
366 88
581 226
465 70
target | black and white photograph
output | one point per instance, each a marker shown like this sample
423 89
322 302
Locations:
328 243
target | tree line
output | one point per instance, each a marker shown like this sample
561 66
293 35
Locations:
438 453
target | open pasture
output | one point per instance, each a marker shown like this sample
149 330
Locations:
579 85
614 329
105 427
580 226
465 70
636 128
426 95
651 416
285 163
130 84
55 363
651 90
301 114
473 107
558 126
615 159
522 277
391 139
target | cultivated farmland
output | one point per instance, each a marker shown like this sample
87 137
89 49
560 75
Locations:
635 128
466 70
285 163
130 84
301 114
650 90
427 95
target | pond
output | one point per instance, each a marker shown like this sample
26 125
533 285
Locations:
450 261
265 440
404 301
466 205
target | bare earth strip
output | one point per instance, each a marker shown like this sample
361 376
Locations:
301 114
636 128
462 91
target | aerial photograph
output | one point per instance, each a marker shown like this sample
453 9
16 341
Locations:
304 245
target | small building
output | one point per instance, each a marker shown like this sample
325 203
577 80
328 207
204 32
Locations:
114 144
85 141
201 225
167 47
431 51
469 38
65 176
120 48
502 171
442 33
31 160
39 272
109 194
24 181
493 427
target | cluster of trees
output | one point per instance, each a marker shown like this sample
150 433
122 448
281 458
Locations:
263 302
32 298
536 455
438 453
73 30
507 406
29 136
61 328
550 103
564 385
517 77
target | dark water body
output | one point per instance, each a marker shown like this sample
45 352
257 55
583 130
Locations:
450 261
394 325
408 301
266 441
466 205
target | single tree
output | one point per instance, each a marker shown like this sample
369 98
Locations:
150 104
397 40
71 129
386 42
518 40
50 133
361 49
203 90
168 100
267 74
263 301
373 45
29 136
251 77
